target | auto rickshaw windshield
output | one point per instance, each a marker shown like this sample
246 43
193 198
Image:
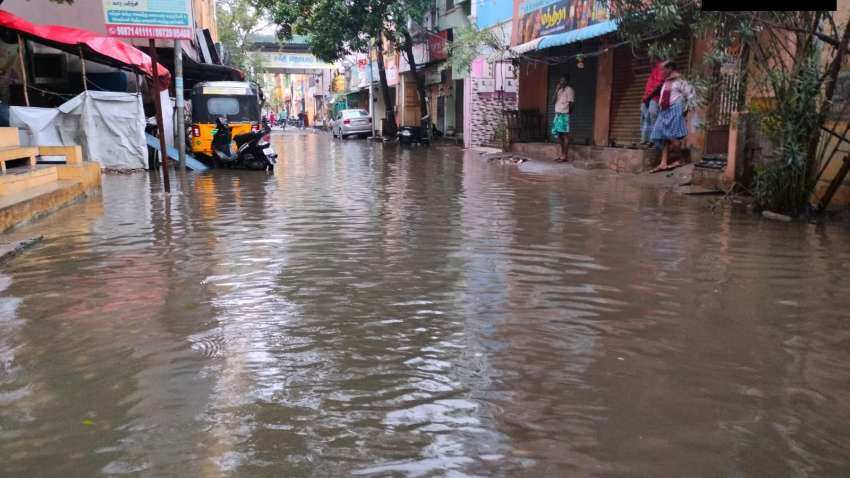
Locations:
206 108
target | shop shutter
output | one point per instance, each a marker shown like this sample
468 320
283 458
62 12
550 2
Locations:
630 75
583 82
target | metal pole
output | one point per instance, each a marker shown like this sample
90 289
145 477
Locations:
178 93
371 110
163 148
21 48
83 69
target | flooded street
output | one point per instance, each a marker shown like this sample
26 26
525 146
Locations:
377 312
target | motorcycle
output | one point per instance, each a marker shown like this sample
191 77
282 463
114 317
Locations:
251 151
408 135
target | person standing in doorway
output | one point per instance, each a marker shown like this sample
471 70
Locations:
651 97
564 98
677 97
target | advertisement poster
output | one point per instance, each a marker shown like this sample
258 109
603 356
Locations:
537 18
391 69
168 19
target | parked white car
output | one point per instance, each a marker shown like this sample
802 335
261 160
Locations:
350 122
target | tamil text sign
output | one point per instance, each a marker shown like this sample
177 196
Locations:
536 18
292 62
170 19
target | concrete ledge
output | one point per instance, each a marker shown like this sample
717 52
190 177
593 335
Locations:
622 160
27 206
87 173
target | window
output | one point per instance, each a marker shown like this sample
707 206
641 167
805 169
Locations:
450 4
355 113
222 106
48 66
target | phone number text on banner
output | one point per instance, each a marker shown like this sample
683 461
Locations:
143 31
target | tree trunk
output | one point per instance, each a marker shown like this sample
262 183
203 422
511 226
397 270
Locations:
389 105
420 83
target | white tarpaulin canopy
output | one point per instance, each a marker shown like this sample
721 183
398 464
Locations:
110 126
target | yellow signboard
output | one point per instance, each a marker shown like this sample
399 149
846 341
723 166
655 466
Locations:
339 84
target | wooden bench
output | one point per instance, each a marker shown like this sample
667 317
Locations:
11 149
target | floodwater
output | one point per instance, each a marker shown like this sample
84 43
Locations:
372 313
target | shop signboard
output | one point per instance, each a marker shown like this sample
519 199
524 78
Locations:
437 43
420 55
537 18
339 84
164 19
391 69
293 62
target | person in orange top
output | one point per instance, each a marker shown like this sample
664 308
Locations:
651 98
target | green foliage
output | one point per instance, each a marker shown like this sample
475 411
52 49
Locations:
237 21
786 60
785 184
336 28
470 42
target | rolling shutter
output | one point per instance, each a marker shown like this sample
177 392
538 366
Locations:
630 75
583 82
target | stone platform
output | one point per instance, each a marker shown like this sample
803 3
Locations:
623 160
32 193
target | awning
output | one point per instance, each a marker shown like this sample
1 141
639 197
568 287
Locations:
193 70
572 36
98 48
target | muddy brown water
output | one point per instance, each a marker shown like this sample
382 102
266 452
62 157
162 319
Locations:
373 313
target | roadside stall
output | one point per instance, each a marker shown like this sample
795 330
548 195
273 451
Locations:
109 125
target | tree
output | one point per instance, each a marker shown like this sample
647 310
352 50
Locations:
238 21
336 28
339 27
791 60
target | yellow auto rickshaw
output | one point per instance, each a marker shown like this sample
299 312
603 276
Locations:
238 101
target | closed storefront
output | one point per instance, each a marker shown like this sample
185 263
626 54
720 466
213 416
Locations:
583 81
630 74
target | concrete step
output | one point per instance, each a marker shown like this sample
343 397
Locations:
33 203
23 178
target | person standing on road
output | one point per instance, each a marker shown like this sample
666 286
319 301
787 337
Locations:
564 98
651 97
677 97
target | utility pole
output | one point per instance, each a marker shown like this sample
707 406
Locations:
163 151
371 107
178 93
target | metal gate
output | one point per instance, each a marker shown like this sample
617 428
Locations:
725 99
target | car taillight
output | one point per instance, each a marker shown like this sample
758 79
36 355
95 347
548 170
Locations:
255 127
196 131
346 122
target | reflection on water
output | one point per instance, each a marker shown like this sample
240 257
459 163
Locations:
375 312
